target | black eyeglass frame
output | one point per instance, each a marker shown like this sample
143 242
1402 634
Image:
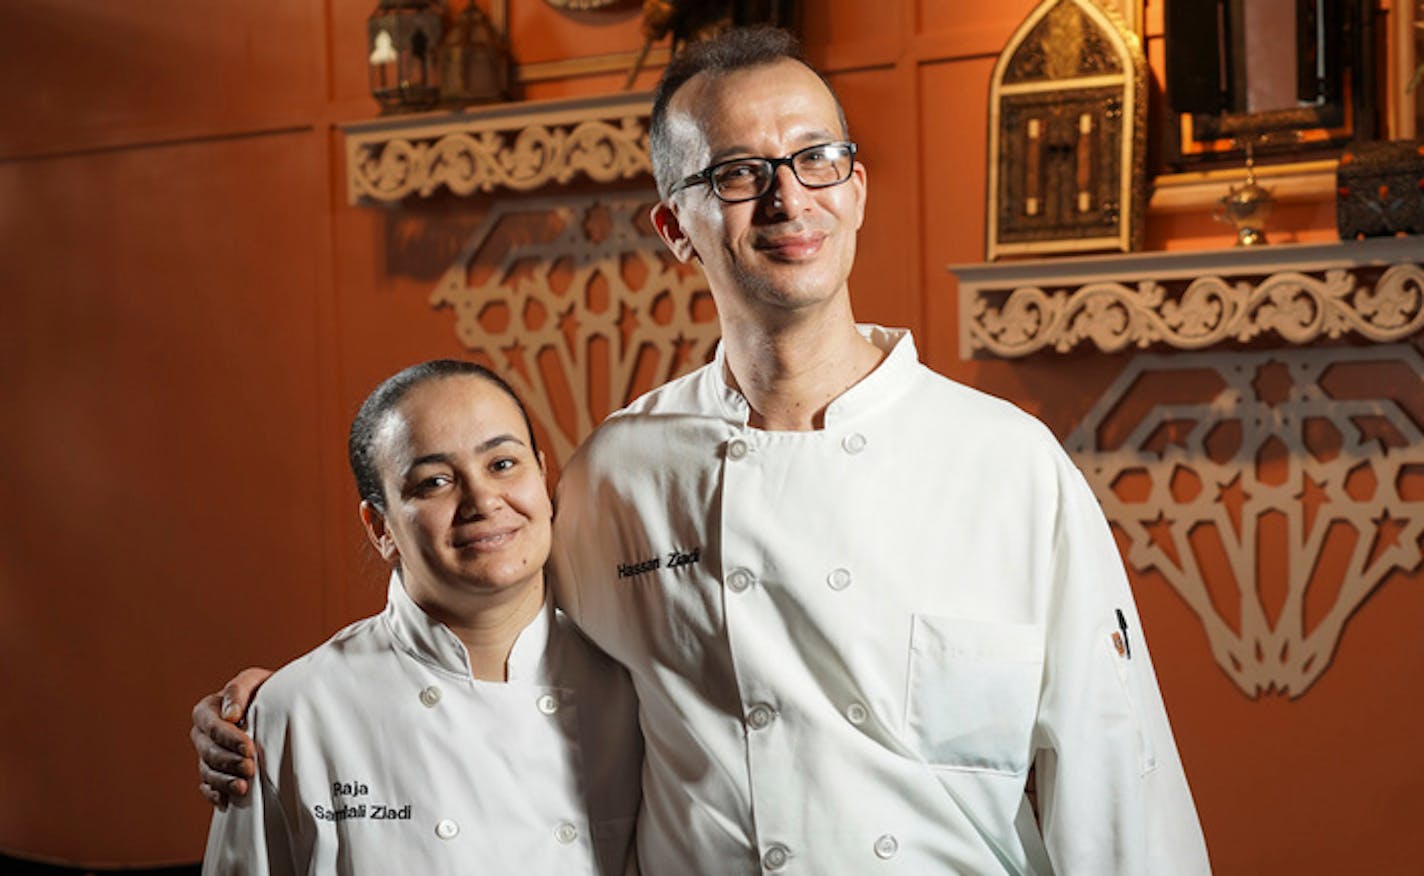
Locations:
704 176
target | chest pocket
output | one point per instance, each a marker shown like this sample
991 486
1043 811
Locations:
973 692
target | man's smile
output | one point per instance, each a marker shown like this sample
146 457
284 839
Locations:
791 247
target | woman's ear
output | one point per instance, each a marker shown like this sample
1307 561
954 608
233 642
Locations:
379 533
665 220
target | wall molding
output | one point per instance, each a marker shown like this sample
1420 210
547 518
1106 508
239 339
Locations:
1371 290
512 147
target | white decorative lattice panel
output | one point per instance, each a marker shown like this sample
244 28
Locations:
579 305
1274 491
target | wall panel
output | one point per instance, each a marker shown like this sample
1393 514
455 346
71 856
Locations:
91 73
883 286
993 22
164 483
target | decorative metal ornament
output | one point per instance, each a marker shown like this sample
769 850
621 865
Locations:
474 67
1067 134
688 21
1379 189
402 41
586 5
1246 207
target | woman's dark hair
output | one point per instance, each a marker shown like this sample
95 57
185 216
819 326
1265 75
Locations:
361 445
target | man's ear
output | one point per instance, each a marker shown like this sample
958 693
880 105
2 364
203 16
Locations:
670 230
379 533
858 179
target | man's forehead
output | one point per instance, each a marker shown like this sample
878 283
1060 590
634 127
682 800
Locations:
697 113
785 74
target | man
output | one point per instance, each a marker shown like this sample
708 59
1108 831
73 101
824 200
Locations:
858 601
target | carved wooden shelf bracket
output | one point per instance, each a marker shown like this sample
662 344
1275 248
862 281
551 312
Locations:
1371 289
514 147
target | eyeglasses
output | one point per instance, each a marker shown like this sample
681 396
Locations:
746 179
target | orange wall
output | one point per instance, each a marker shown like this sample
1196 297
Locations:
192 313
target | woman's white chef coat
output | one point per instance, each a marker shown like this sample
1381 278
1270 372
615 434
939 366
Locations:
851 644
379 753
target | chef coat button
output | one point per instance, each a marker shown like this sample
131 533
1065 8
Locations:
775 857
856 713
447 829
886 846
737 448
853 443
739 580
838 579
430 696
566 833
547 704
760 716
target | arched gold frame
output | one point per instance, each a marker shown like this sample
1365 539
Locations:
1128 83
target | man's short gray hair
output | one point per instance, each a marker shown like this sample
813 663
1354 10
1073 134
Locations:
736 48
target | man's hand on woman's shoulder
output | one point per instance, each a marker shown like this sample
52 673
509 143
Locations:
227 758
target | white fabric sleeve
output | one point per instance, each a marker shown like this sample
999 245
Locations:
251 837
1112 793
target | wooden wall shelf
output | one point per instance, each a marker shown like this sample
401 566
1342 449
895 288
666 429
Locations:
515 147
1369 289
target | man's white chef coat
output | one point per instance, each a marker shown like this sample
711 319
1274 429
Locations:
379 753
850 644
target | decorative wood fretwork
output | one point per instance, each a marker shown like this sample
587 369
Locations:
1272 491
513 147
578 304
1296 294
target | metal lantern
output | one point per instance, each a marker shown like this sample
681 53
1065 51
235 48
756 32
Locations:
402 37
474 67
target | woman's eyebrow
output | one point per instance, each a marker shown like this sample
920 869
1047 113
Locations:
490 444
441 458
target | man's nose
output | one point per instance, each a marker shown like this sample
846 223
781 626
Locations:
786 194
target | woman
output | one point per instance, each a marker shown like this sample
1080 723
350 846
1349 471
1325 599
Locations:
468 728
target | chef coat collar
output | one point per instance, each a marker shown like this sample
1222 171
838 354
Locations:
901 356
436 645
